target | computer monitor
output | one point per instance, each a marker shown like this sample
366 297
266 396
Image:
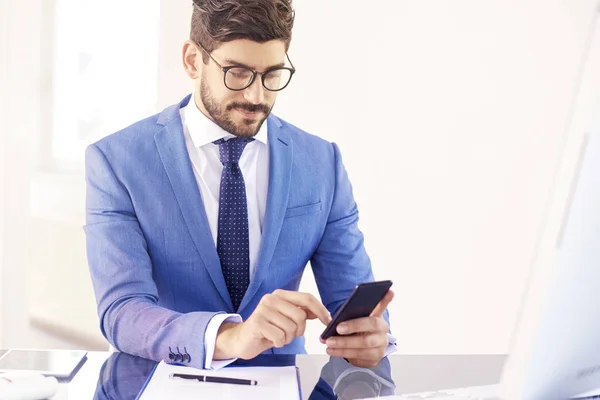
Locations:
555 349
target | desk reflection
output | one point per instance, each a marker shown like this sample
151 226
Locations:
123 376
341 380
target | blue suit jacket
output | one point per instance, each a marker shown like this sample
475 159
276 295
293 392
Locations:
153 263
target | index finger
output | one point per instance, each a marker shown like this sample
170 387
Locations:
307 301
382 306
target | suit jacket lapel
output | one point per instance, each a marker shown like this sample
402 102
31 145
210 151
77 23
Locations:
173 152
280 169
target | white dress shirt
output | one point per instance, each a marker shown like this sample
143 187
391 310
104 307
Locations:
200 132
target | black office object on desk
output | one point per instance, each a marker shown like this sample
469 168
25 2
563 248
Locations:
61 364
215 379
361 303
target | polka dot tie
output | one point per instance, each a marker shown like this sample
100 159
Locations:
232 237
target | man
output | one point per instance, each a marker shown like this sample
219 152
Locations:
201 219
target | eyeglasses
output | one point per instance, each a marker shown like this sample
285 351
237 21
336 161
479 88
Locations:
239 78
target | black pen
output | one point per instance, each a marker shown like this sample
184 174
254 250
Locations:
216 379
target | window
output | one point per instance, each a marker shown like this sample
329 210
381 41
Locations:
105 60
99 64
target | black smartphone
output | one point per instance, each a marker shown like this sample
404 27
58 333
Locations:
361 303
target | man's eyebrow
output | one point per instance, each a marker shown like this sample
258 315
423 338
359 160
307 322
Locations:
239 64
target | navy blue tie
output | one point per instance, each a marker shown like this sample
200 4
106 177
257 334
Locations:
232 239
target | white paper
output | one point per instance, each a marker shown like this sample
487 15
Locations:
273 383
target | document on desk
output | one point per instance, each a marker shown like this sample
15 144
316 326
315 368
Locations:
271 383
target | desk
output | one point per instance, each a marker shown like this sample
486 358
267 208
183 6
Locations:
119 376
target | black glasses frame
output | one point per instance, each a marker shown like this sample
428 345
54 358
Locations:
254 73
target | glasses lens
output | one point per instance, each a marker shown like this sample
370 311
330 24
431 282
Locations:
238 78
277 79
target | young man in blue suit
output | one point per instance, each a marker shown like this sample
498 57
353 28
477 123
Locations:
201 219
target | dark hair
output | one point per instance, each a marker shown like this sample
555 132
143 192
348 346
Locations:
218 21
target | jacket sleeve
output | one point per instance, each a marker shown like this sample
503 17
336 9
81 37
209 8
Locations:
121 273
341 261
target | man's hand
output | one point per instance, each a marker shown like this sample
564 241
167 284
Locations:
277 320
365 347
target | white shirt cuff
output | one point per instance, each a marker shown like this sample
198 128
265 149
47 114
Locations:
391 348
210 340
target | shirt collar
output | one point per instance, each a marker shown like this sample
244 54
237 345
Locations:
203 130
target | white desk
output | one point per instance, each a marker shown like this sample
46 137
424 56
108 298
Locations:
410 373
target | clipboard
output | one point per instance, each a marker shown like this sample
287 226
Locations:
158 384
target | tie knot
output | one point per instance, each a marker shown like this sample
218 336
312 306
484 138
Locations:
231 150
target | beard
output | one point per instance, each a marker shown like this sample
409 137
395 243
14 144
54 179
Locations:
223 116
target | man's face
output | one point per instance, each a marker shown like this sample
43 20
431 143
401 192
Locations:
240 113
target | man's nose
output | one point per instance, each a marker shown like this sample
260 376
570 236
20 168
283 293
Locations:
254 93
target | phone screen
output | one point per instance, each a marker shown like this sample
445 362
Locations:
361 303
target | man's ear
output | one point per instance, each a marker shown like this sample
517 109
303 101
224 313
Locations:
192 59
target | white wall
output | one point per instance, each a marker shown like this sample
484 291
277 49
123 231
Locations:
471 122
3 81
451 156
20 81
173 83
